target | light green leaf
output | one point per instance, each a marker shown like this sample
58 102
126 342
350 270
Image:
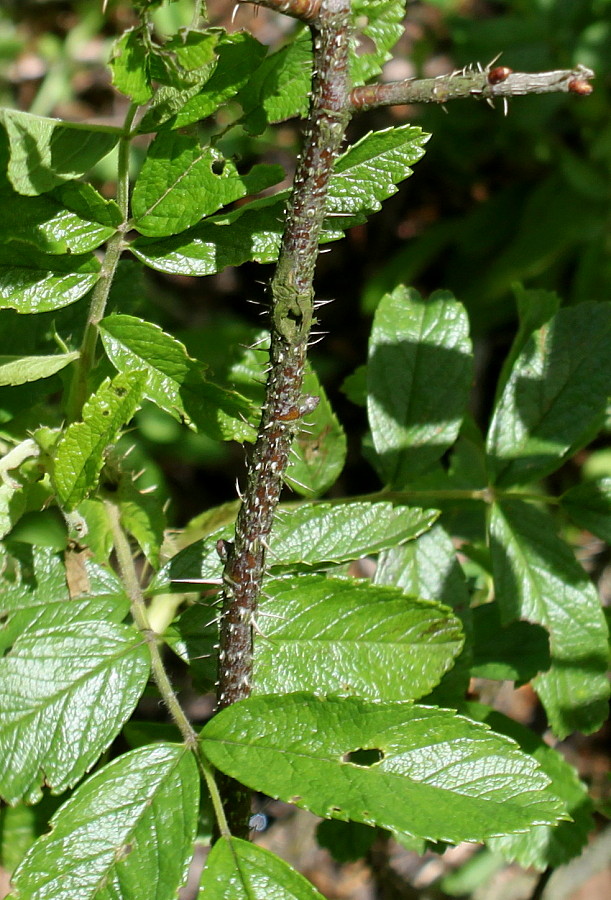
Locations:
239 55
556 393
20 369
381 23
542 846
439 776
537 578
318 452
143 517
174 381
46 152
127 832
128 64
419 375
279 89
427 567
32 282
589 505
239 870
181 182
65 692
342 637
323 533
79 455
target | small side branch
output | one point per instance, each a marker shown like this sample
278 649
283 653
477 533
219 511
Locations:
486 84
306 10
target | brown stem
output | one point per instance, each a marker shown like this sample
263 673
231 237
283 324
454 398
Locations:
479 83
291 319
306 10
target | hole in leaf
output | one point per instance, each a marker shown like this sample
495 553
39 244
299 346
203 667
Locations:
363 758
218 166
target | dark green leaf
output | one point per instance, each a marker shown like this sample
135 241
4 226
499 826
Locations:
345 841
343 637
515 652
239 870
556 392
537 578
589 505
129 66
79 455
47 152
419 374
439 775
128 831
66 691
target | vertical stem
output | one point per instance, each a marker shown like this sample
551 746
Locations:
292 316
99 296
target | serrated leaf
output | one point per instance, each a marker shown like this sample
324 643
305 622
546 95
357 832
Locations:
515 652
142 516
589 505
239 55
344 637
427 567
279 89
79 455
33 282
543 847
128 64
316 535
239 870
65 692
382 23
318 452
50 603
174 381
440 776
181 182
21 369
556 392
126 832
47 152
537 578
419 375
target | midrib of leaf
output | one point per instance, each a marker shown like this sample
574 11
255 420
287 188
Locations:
60 697
174 184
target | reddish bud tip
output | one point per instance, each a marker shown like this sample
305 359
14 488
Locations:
498 74
579 86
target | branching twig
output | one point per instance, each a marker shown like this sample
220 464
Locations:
291 319
487 84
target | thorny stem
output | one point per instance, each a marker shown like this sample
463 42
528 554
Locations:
291 318
101 291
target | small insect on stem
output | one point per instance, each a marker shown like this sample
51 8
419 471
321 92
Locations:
499 74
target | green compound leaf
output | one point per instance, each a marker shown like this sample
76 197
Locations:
542 846
79 455
537 578
181 182
21 369
239 870
369 171
439 776
555 395
419 375
343 637
174 381
127 832
239 55
33 282
65 692
280 87
49 602
382 23
319 448
47 152
325 533
589 505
